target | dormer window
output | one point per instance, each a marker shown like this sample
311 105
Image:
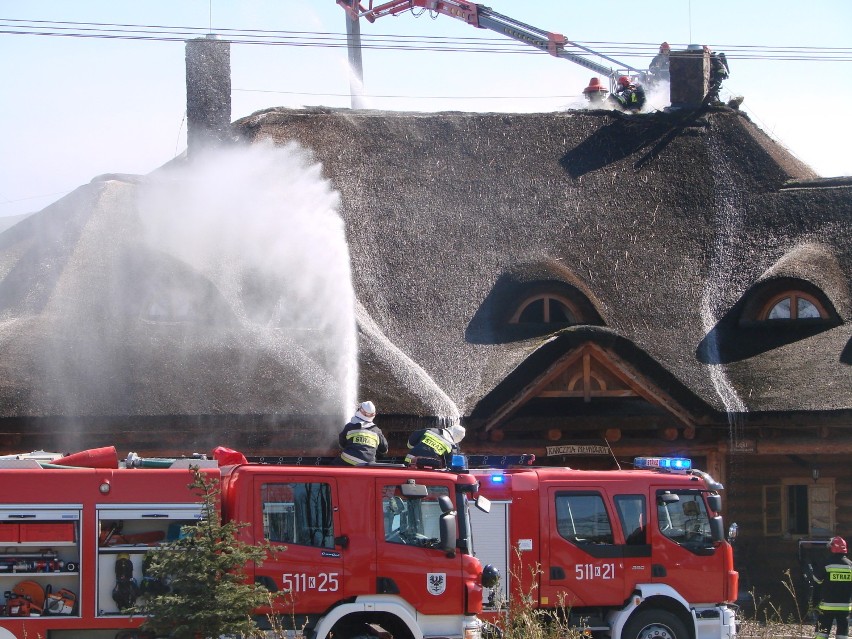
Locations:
793 305
546 308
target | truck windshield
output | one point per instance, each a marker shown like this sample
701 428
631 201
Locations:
682 517
413 521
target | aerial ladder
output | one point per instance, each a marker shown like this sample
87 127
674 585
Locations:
483 17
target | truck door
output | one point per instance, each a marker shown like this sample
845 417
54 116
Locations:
583 565
299 518
410 564
684 554
632 512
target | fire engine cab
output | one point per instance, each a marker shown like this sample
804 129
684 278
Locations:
384 546
627 554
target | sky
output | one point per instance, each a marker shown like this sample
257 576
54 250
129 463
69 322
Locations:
74 108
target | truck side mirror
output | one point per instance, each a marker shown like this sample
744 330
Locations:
448 526
715 503
717 528
483 504
446 504
449 533
411 489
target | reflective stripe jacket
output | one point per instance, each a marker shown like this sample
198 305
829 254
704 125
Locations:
432 443
361 441
834 581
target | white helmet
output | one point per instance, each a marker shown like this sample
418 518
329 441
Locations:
366 411
458 432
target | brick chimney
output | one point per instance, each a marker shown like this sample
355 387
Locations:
208 93
689 71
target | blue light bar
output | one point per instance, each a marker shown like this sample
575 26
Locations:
663 463
498 479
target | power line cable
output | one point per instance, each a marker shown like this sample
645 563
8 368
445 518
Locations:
162 33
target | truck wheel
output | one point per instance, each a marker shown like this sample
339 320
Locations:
654 624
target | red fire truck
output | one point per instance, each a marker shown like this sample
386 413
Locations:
356 548
628 554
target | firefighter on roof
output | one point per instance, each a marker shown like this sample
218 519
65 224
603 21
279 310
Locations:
434 446
719 72
834 583
659 67
361 440
628 96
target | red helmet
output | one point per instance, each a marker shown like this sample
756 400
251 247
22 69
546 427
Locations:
664 47
624 81
837 545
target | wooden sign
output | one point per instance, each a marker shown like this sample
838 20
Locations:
743 446
577 449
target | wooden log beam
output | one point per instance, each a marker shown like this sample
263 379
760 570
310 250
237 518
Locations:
612 434
781 446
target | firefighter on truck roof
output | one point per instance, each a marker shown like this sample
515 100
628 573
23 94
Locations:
361 440
434 446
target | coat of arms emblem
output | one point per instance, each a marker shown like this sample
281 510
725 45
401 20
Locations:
436 582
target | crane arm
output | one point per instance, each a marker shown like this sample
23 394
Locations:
483 17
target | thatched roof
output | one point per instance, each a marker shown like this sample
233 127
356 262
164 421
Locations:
665 225
665 222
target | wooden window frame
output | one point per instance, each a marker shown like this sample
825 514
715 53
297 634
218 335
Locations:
546 298
794 295
775 506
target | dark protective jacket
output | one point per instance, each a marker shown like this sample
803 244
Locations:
834 581
631 97
434 444
360 442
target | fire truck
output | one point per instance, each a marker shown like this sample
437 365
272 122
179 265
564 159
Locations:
627 554
382 548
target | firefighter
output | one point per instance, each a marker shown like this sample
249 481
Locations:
719 72
361 440
628 96
659 67
834 583
434 447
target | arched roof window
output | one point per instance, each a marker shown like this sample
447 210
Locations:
793 305
546 308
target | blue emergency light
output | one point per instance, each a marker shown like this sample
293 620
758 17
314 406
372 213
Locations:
498 479
458 463
663 463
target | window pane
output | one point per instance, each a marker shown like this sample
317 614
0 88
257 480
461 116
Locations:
798 521
806 309
412 521
560 313
684 521
631 512
583 519
297 513
781 310
533 313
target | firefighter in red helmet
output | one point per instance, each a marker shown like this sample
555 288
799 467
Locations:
834 583
659 67
628 96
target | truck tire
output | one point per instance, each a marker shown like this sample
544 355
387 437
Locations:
654 624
